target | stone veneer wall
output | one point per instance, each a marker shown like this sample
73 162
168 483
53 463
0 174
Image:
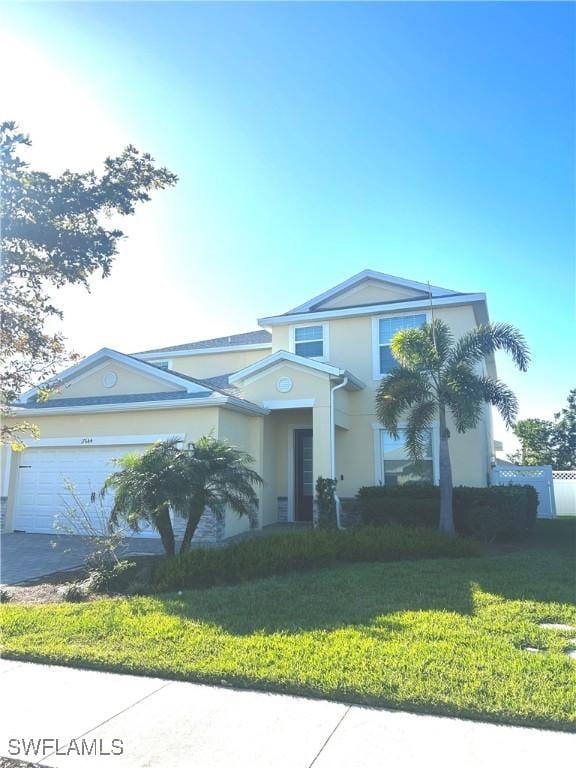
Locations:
210 529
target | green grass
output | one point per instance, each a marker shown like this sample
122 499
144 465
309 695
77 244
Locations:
441 636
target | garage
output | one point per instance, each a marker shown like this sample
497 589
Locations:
42 476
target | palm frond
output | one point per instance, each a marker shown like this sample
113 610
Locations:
462 393
423 349
441 338
501 397
486 339
401 389
413 349
418 426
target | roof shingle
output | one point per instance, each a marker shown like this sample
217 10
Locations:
236 340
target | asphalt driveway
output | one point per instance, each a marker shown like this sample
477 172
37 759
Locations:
26 556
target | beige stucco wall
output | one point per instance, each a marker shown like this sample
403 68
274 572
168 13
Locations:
216 364
351 347
307 385
280 338
370 292
192 422
244 432
128 382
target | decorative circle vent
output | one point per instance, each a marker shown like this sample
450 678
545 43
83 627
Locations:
284 384
109 380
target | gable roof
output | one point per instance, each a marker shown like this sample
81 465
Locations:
187 383
370 274
260 337
194 392
305 362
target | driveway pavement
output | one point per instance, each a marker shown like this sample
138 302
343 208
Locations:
165 724
26 556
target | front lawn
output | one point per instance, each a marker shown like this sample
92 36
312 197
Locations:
443 636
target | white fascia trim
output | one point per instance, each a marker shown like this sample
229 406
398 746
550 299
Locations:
200 351
210 402
374 309
83 441
370 274
304 362
279 405
281 356
119 357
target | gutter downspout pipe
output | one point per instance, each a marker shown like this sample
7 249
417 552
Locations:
342 384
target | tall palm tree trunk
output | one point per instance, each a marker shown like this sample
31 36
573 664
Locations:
194 515
446 524
164 526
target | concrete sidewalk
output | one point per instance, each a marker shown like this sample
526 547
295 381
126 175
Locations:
183 725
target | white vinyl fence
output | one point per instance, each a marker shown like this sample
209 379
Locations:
539 477
565 491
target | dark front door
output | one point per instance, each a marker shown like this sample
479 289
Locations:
304 479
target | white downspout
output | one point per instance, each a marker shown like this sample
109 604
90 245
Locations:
333 443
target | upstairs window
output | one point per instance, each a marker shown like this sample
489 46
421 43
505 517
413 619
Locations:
397 466
162 364
387 328
309 341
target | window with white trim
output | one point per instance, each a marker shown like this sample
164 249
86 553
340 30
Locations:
309 341
398 468
387 328
164 365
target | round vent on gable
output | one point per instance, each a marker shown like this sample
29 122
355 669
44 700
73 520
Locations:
109 379
284 384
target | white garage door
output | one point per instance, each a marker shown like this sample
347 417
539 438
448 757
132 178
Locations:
41 493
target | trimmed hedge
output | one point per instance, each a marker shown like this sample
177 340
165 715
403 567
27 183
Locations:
277 554
499 512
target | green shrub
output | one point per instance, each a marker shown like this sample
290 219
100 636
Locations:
105 574
274 555
326 501
503 513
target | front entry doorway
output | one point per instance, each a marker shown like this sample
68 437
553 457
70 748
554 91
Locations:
303 476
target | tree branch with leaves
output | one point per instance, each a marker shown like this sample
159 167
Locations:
53 232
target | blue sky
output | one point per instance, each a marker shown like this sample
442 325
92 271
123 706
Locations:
434 141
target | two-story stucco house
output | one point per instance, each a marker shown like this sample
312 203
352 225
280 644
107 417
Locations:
298 395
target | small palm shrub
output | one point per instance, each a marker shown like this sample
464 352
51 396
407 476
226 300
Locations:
274 555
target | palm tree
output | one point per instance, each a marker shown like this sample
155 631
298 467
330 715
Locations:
210 474
216 476
437 374
144 486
